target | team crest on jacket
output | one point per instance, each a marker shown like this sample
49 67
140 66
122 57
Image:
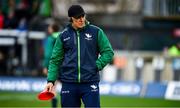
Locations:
88 36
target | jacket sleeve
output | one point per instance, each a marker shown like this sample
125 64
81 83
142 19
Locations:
56 59
105 49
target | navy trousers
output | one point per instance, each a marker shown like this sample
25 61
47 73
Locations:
73 93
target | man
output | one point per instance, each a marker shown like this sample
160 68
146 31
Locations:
53 31
81 50
174 52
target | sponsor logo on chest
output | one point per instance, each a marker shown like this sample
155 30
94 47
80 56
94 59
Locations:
88 36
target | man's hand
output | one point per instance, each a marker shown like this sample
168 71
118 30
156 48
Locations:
45 71
49 87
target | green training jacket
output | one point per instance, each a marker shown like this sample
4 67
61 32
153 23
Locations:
80 54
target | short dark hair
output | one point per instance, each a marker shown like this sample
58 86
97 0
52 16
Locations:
70 20
55 27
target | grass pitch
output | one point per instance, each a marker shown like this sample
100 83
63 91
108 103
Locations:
19 99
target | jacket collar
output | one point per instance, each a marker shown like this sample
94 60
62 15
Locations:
55 34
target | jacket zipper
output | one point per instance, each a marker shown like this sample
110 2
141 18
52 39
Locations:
78 43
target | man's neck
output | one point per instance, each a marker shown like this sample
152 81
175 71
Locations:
74 26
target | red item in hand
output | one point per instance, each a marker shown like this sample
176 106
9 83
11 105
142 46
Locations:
45 95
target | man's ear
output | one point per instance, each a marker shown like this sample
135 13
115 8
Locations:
70 20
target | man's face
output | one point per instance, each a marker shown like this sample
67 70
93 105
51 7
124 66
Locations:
50 30
78 22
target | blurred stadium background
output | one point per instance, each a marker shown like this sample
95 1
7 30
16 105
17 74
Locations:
145 71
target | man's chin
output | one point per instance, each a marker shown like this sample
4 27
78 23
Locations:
82 26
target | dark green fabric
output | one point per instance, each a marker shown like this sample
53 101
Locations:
56 59
105 49
48 47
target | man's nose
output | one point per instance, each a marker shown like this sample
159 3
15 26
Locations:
81 18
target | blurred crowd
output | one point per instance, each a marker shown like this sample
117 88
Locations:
18 14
